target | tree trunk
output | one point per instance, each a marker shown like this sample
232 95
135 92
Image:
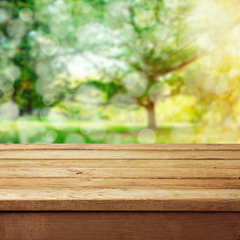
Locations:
151 116
29 107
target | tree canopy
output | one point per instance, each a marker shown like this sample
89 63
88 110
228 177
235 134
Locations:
128 53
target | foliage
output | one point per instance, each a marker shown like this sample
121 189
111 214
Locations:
86 59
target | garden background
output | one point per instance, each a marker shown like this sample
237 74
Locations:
123 71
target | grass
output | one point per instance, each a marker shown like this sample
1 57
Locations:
36 130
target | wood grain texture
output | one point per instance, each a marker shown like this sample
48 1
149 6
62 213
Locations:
105 177
117 147
120 200
56 154
113 163
119 225
120 173
124 184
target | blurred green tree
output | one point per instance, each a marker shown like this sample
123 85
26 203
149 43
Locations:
148 42
137 47
17 33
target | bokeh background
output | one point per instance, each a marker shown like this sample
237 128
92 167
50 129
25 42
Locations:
119 71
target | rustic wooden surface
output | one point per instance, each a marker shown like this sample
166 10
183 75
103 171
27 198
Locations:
132 177
119 226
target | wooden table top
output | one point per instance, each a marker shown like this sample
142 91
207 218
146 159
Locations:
124 177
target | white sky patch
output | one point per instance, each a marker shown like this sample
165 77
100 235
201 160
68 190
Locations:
81 66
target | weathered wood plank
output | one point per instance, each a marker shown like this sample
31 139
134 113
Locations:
113 163
123 154
117 147
120 200
126 184
122 173
119 225
119 177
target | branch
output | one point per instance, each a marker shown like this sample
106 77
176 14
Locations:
179 66
216 39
